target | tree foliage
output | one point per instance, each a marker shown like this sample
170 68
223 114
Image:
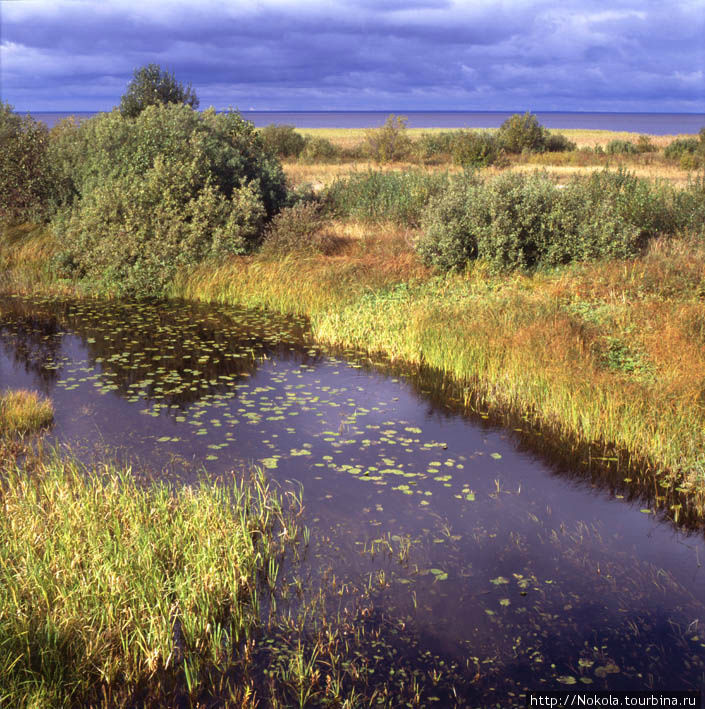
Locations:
151 87
25 175
167 189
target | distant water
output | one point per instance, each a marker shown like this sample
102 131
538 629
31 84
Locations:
652 123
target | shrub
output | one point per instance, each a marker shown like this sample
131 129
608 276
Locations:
681 146
522 132
374 196
282 140
516 221
689 211
475 149
25 174
621 147
151 86
172 187
390 142
298 229
434 146
449 237
644 144
320 150
558 143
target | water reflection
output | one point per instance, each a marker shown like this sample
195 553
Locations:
521 569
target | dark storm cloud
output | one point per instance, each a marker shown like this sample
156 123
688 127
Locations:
401 54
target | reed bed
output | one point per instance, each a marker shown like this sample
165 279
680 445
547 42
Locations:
111 591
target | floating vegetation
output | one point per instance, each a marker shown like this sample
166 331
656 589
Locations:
418 517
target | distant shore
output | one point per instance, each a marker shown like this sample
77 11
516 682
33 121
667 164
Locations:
651 123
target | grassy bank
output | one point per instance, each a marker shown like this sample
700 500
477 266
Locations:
609 353
110 591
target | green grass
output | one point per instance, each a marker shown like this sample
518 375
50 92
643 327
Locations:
24 411
108 588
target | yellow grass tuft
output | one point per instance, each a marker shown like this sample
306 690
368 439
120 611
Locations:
23 411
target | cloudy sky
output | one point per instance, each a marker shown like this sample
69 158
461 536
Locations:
621 55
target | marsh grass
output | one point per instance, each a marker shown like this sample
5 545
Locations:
556 346
23 411
110 589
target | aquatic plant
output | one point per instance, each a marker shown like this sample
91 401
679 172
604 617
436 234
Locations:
107 585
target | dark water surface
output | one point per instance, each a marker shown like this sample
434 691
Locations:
527 574
652 123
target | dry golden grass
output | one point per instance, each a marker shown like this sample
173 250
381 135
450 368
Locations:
323 174
655 171
585 138
23 411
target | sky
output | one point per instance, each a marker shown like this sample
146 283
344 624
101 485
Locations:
473 55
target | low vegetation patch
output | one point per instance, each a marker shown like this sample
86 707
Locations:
23 411
112 589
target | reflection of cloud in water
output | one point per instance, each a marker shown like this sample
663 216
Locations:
383 454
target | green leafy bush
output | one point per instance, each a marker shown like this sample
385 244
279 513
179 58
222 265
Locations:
681 146
558 143
514 221
320 150
644 144
621 147
25 173
522 132
167 189
282 140
433 147
689 211
475 149
151 86
389 143
374 196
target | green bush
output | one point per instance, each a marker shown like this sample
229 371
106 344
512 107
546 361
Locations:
515 221
681 146
25 173
644 144
389 143
475 149
522 132
151 86
689 212
558 143
433 147
375 196
320 150
449 234
621 147
167 189
282 140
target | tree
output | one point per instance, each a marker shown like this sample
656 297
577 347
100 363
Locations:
152 86
390 142
522 133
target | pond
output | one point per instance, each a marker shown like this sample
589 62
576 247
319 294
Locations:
520 572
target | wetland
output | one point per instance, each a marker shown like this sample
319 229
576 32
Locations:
471 563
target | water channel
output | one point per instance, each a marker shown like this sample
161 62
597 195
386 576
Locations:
522 572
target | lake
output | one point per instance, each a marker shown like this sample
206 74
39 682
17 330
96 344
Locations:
651 123
517 570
